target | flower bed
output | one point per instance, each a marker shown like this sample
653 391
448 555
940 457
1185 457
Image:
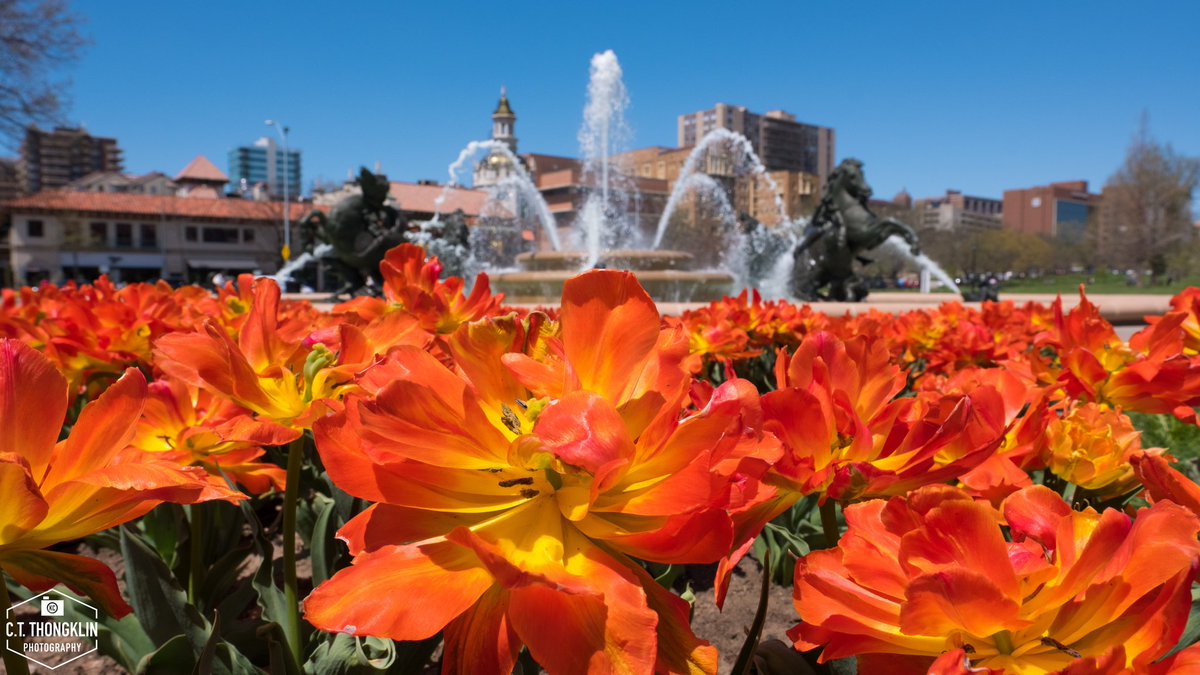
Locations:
1008 489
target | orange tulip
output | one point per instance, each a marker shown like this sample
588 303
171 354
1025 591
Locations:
932 573
191 426
92 481
1187 303
1091 446
269 369
849 438
1163 482
411 285
511 493
1151 374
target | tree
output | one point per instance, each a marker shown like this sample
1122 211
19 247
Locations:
36 38
1146 211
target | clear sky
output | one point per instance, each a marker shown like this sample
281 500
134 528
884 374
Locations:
975 96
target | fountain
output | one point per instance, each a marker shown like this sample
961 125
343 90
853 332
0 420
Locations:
606 234
744 154
747 254
520 180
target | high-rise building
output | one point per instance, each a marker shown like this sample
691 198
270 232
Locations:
52 159
782 143
265 163
10 184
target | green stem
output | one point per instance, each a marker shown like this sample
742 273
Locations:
1004 643
14 663
291 628
829 523
1068 494
196 565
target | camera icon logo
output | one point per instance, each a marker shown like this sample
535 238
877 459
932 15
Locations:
52 607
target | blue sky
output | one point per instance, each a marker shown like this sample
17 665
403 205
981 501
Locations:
968 95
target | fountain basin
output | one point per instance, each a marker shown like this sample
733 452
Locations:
662 273
619 259
545 287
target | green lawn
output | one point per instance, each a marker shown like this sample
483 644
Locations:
1101 284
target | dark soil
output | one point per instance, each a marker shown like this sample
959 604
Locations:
726 629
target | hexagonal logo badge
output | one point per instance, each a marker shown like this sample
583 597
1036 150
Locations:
51 629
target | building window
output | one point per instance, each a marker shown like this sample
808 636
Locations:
36 229
125 235
189 233
98 234
247 234
221 235
149 235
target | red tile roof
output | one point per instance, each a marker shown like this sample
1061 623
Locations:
202 170
416 198
153 206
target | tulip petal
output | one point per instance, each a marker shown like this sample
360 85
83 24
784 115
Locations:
482 641
956 599
259 336
1165 483
104 428
39 571
399 592
582 613
679 650
385 524
579 632
33 403
583 430
1036 512
609 326
23 506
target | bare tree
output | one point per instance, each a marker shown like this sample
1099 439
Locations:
37 37
1146 211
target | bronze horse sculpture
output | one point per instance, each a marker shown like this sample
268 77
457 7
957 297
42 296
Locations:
359 230
840 231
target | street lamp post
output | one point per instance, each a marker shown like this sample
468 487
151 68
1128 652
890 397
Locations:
287 221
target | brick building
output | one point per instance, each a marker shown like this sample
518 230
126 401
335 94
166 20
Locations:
1059 210
782 143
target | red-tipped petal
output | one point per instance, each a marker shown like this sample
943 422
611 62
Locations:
33 403
40 571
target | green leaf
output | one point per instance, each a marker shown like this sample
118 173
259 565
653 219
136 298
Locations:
1180 439
222 585
846 666
270 599
158 600
173 658
324 547
161 529
125 640
1191 633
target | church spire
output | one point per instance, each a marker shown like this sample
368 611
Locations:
504 122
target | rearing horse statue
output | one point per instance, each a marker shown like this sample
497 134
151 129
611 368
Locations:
845 227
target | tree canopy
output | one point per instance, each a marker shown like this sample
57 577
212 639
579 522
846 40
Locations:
37 38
